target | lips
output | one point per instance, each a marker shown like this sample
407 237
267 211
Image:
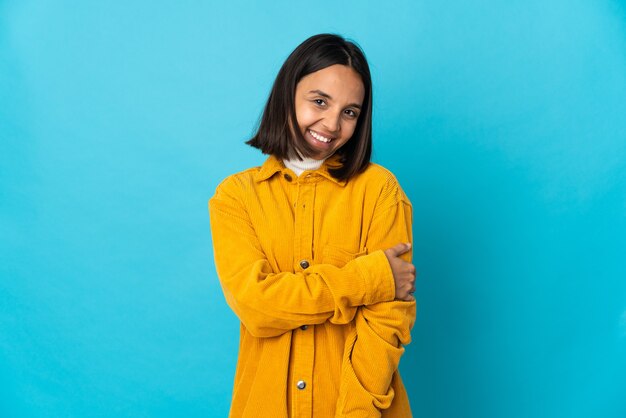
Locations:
320 137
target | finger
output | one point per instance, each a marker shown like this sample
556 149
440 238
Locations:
405 297
409 269
400 248
410 292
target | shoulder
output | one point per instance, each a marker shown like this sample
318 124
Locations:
377 176
378 173
383 183
247 176
236 184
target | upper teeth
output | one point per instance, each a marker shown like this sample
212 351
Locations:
319 137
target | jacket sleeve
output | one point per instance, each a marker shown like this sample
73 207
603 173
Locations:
374 348
270 303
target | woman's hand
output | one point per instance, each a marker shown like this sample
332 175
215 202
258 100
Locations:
403 272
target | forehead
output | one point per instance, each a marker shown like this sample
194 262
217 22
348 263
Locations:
340 82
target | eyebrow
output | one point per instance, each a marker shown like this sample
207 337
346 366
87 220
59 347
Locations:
326 95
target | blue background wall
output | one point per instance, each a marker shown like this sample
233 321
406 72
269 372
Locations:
504 121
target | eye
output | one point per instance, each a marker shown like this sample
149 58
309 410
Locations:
319 102
351 113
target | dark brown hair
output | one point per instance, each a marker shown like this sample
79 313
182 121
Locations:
275 136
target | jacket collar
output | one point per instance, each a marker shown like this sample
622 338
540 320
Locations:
274 165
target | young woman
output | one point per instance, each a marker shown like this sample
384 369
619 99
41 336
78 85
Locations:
313 250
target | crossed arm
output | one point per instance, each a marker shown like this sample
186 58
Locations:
373 351
270 303
363 290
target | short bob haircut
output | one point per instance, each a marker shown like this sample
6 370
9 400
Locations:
274 135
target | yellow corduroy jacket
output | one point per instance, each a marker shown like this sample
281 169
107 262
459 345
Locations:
301 263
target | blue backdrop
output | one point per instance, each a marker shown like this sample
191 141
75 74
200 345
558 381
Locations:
505 122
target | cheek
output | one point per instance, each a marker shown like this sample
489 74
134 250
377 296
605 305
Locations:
348 129
305 116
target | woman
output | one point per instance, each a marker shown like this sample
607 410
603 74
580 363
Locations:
313 249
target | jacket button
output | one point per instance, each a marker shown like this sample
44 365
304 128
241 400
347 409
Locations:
304 264
304 327
287 177
301 384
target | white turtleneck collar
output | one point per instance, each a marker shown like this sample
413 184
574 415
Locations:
300 166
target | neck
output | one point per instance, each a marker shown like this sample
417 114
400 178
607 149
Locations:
300 166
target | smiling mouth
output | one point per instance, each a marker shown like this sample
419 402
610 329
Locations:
320 138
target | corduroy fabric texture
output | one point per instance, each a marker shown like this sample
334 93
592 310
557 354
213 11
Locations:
301 263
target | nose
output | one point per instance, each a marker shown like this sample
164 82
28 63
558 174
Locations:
332 121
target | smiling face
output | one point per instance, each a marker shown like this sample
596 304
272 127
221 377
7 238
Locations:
328 103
